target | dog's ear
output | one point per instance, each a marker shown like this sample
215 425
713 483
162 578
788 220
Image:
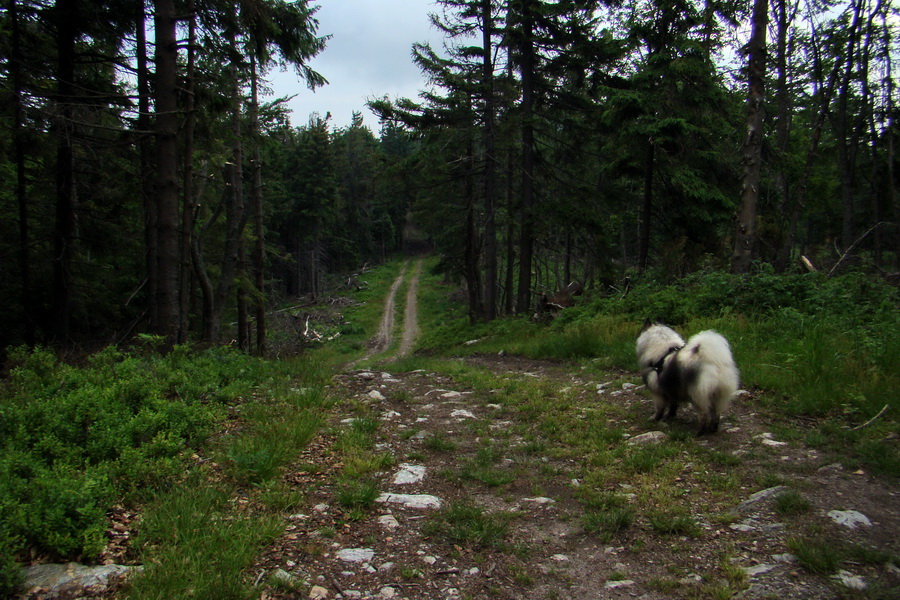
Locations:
647 325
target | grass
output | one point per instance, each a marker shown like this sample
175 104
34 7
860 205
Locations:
467 524
357 495
673 522
791 503
815 554
607 524
194 544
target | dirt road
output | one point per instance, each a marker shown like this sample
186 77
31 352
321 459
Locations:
386 334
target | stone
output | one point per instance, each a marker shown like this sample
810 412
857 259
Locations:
758 569
421 501
451 395
356 555
540 500
59 578
787 558
746 526
560 558
409 474
611 585
375 395
388 522
462 414
851 581
849 518
387 592
651 437
767 440
317 592
761 496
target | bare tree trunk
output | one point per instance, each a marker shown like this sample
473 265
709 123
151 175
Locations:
187 202
15 67
526 231
490 187
646 207
243 323
891 110
235 215
745 235
259 248
145 152
846 141
471 270
167 169
783 19
64 231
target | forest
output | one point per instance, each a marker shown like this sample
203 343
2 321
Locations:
191 285
147 188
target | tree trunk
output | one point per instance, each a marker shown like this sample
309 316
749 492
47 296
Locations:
64 232
647 207
259 247
145 153
783 22
472 272
745 235
526 224
490 186
187 201
235 215
167 170
846 141
15 67
243 322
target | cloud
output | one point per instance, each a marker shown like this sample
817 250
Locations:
369 55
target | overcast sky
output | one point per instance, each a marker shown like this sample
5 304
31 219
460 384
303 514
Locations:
368 55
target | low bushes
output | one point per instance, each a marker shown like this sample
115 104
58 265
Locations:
73 440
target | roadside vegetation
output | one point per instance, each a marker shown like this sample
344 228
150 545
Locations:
817 350
196 439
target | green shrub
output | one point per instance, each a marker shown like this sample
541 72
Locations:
73 439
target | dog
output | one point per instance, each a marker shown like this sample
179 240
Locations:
701 371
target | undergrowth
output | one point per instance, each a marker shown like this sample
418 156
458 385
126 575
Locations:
809 346
74 440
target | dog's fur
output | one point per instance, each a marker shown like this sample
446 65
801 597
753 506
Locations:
701 371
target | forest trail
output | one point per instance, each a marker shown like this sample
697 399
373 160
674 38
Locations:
493 444
385 336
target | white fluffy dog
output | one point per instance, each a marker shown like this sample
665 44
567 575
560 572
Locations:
701 371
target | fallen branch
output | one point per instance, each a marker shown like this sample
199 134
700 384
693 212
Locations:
873 419
853 246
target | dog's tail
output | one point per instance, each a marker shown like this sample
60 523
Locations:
709 366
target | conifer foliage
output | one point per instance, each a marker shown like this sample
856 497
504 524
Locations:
554 144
